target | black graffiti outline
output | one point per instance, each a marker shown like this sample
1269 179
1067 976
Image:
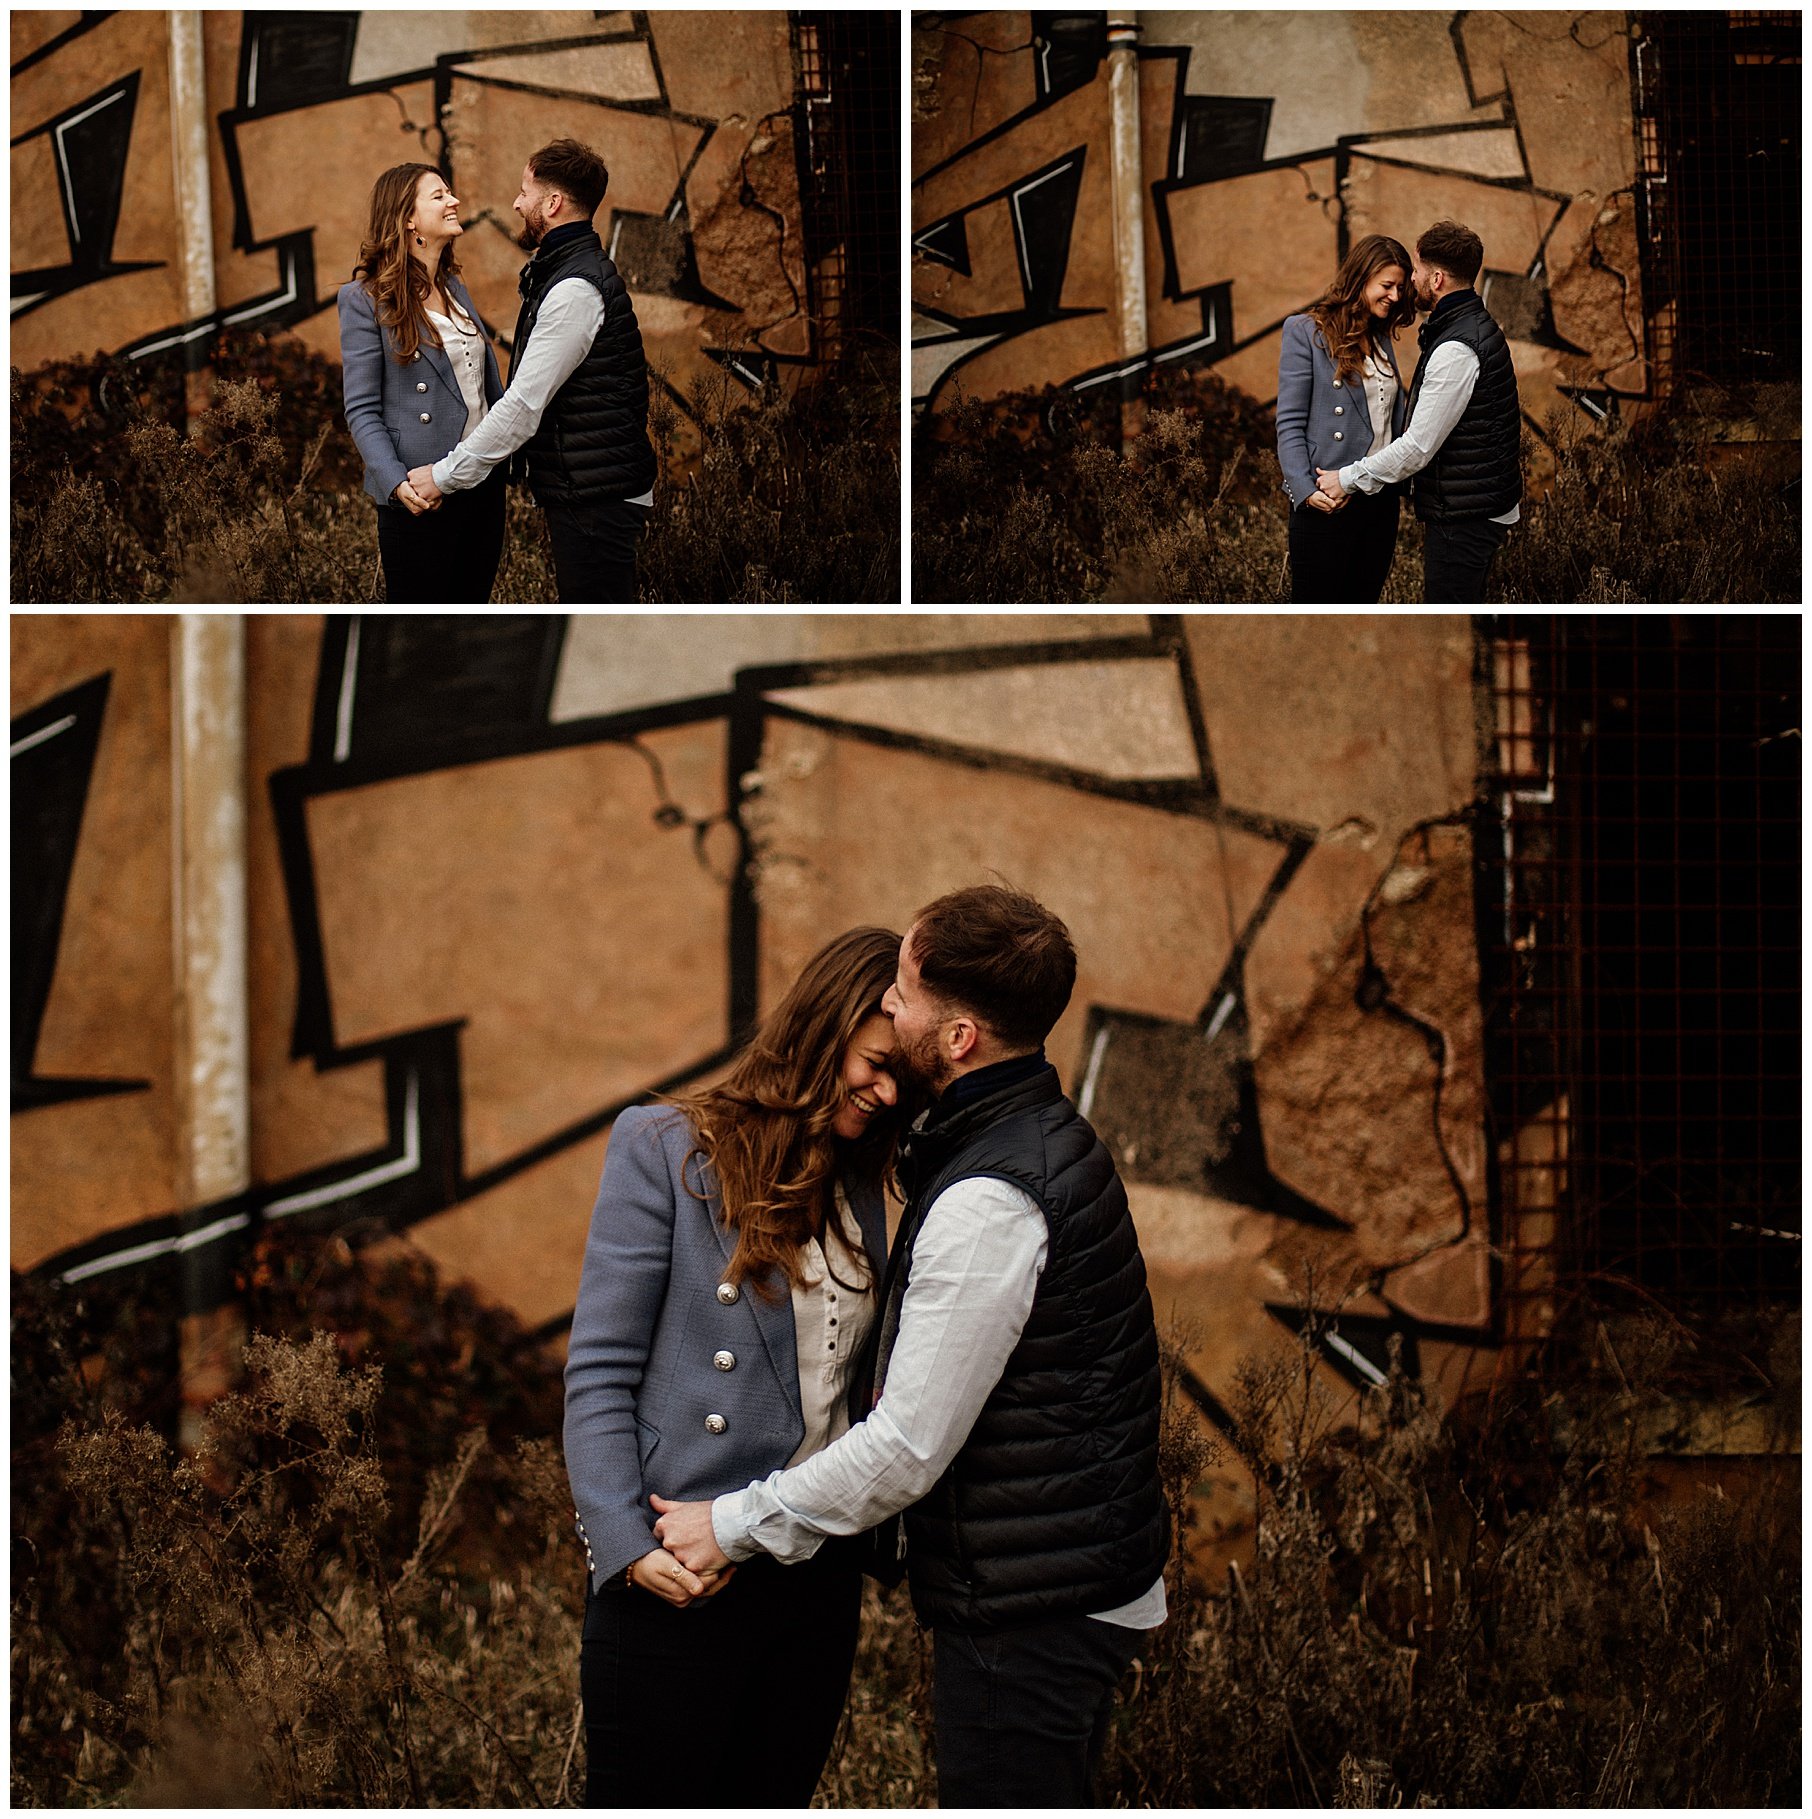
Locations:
419 1170
49 48
295 298
1596 401
89 262
421 1067
75 716
997 326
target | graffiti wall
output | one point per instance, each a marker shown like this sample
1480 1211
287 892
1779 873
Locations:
1268 143
692 112
507 875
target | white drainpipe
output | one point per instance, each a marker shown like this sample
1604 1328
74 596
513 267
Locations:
194 194
1126 164
208 868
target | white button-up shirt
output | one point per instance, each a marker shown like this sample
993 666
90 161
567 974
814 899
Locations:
463 343
831 1319
975 1266
571 314
1453 371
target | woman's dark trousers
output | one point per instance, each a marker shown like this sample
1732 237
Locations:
446 557
734 1700
1342 558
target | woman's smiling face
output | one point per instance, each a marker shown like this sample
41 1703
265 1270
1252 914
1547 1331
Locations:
436 207
1384 290
866 1078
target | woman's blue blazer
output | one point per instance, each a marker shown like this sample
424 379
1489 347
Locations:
401 416
1322 420
642 1370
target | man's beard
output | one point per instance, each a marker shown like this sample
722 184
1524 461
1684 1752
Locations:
923 1063
534 230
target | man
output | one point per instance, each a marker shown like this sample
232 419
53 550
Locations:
1016 1420
577 403
1464 438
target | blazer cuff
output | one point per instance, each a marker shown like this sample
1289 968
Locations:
615 1539
385 481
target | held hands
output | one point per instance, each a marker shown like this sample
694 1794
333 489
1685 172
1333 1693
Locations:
1320 502
686 1532
412 501
660 1573
422 479
1327 481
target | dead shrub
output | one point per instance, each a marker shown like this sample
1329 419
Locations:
1029 497
369 1593
793 499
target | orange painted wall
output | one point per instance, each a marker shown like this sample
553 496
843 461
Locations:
1260 132
685 107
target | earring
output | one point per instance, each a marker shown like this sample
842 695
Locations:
419 241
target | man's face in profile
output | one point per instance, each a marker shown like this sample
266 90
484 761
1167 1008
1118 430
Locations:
917 1023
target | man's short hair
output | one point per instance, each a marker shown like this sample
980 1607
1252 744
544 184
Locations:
574 169
1000 955
1457 250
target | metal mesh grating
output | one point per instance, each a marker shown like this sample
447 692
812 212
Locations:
1639 906
1718 182
848 112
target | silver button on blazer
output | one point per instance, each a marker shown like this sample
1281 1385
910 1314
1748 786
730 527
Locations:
383 410
1311 409
676 1382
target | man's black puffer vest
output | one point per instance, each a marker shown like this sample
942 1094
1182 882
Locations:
1477 472
593 439
1053 1507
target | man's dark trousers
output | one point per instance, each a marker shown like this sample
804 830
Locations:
594 551
1456 558
1020 1714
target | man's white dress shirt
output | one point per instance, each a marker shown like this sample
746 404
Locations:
980 1250
1453 370
571 314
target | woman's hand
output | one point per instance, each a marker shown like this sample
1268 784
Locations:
406 496
1322 503
660 1573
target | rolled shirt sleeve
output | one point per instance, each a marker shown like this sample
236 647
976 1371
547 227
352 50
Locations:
572 312
975 1269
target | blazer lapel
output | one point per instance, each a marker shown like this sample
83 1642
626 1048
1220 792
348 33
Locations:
443 369
773 1319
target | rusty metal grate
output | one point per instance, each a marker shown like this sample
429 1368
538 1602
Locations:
1717 103
1639 904
847 116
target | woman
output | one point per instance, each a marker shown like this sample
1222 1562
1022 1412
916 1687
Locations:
729 1284
1340 397
419 376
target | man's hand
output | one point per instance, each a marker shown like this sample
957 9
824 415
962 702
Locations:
411 501
1327 479
686 1533
422 479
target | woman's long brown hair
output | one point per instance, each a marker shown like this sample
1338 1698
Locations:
765 1128
397 281
1340 313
